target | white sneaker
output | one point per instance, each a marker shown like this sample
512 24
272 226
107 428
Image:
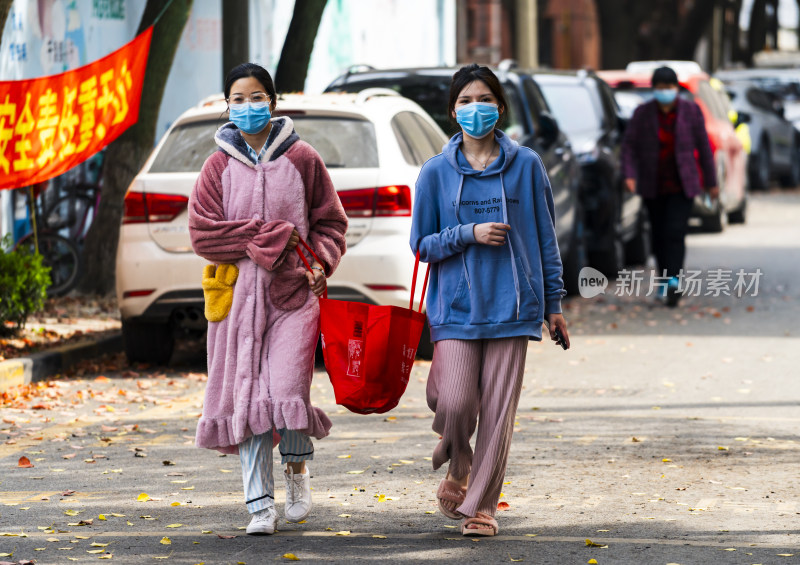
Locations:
298 495
263 522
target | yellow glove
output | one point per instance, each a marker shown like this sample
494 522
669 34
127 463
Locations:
218 284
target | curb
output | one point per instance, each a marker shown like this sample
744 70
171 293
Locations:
43 365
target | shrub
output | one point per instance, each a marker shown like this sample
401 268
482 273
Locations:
23 285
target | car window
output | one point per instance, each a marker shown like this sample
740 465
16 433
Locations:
412 138
186 148
435 139
535 99
709 96
430 92
610 107
573 107
512 123
341 142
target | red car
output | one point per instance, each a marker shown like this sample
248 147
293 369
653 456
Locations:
632 89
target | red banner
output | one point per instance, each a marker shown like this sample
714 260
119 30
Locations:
50 124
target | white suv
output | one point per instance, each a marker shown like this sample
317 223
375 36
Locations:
373 144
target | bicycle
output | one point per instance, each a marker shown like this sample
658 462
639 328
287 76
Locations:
59 253
73 211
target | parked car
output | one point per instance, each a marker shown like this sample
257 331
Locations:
616 222
776 140
729 154
783 83
527 120
373 145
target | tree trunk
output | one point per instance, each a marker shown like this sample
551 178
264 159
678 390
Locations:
235 34
125 156
5 8
695 26
298 45
624 33
757 34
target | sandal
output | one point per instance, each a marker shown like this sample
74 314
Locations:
451 495
480 519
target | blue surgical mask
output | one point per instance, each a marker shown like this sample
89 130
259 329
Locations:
477 119
250 117
665 96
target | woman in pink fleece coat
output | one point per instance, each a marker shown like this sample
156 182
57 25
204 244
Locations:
261 192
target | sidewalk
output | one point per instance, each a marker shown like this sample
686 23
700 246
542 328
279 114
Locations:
68 330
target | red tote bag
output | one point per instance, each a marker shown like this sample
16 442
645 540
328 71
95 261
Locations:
369 350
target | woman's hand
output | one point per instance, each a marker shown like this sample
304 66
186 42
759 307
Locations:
557 321
630 185
491 233
316 279
294 239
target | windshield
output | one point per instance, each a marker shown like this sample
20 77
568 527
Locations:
432 94
573 107
630 98
342 143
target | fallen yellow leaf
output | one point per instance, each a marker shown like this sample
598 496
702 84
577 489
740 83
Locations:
95 544
291 557
187 488
101 516
344 515
379 537
354 472
72 512
343 456
165 541
592 562
176 503
95 551
590 543
117 515
665 460
144 497
175 525
207 532
106 556
343 533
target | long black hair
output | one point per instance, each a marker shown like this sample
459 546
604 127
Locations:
257 72
469 74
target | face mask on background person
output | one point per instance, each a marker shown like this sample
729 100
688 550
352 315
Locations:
250 117
665 96
477 119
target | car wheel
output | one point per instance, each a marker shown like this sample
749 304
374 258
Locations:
739 216
792 178
640 247
147 342
760 171
578 255
425 349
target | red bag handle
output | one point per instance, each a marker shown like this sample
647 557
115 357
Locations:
305 261
414 285
413 280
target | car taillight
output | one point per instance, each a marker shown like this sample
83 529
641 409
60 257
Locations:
142 207
392 200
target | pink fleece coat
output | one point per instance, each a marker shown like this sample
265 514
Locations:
260 358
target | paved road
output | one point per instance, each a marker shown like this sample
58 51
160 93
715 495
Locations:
669 436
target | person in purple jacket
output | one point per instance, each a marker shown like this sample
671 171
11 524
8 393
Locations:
665 148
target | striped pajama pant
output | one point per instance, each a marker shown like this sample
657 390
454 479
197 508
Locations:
255 455
472 379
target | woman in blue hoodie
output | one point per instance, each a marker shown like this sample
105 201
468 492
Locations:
484 220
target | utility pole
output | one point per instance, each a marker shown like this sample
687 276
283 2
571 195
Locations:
235 34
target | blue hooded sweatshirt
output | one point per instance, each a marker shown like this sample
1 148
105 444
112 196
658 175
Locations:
480 291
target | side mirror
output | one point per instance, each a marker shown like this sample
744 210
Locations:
743 118
548 129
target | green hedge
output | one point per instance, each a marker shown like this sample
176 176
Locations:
23 285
